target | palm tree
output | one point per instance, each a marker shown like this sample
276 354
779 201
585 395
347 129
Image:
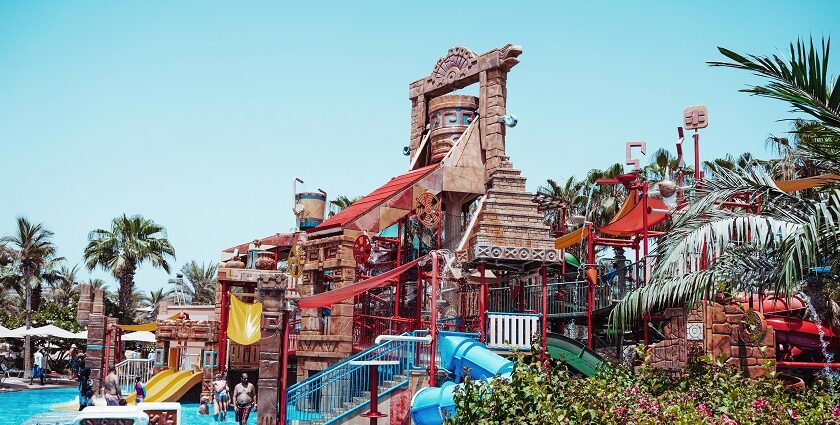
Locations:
152 301
801 80
34 248
197 282
341 203
130 242
780 246
569 194
64 284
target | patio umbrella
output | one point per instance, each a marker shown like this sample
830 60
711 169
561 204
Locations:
47 331
81 335
139 336
8 333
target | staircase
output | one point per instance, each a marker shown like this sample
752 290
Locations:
342 391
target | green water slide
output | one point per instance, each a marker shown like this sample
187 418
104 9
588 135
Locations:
574 354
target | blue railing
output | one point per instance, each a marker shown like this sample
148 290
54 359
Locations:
344 387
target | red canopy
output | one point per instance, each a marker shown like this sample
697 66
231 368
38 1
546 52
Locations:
632 222
329 298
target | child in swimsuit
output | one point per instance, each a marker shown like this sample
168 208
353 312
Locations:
220 397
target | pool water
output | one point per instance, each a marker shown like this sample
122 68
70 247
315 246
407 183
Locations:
18 406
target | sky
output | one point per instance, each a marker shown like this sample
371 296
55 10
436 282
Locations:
198 114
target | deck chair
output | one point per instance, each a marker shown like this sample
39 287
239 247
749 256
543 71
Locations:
9 371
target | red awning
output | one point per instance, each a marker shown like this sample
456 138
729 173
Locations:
632 222
374 199
329 298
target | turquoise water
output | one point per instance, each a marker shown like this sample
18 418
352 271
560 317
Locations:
16 407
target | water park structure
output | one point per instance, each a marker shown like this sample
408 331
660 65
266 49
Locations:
378 310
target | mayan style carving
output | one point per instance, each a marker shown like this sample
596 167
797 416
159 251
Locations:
458 63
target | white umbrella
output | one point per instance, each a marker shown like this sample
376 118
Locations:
49 330
81 335
140 336
8 333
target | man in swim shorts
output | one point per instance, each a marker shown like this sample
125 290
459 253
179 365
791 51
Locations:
244 394
112 387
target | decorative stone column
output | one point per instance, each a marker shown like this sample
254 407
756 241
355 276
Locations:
96 339
271 289
491 107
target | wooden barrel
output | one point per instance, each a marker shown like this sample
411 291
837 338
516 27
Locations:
449 117
314 208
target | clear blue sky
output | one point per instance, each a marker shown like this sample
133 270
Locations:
197 114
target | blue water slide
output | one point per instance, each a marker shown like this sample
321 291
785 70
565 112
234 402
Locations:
431 405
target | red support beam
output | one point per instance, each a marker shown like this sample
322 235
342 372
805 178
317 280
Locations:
544 276
482 302
807 365
223 322
433 328
590 287
645 252
284 366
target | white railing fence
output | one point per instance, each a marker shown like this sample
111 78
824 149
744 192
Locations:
129 369
511 330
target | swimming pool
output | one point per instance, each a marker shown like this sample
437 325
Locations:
18 406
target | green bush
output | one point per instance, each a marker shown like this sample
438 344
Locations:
708 392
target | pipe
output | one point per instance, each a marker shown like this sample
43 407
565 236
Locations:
563 251
399 259
807 365
379 339
696 155
590 288
223 322
482 302
284 366
646 318
544 335
433 331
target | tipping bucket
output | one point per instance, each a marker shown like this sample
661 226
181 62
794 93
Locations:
314 208
449 117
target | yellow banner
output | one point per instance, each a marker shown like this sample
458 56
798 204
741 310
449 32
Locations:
244 322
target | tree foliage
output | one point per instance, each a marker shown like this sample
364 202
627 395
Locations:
130 242
708 393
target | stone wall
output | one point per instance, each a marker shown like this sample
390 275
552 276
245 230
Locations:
181 331
319 348
728 331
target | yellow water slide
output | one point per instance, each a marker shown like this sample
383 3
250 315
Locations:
244 322
168 385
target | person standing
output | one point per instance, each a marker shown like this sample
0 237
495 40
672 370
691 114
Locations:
112 387
73 361
245 395
85 389
139 390
37 366
221 398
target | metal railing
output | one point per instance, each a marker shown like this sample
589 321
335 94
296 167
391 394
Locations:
344 387
129 369
367 327
511 330
564 298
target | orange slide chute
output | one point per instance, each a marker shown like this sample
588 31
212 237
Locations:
244 323
632 222
571 238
